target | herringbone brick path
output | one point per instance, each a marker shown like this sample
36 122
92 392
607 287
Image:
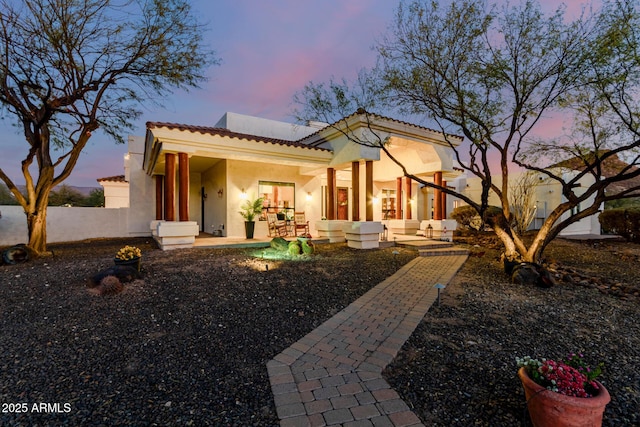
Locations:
333 375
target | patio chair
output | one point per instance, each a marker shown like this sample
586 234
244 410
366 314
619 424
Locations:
300 223
277 228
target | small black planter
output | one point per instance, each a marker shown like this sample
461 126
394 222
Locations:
134 262
249 227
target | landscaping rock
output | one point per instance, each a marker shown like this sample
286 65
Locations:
527 273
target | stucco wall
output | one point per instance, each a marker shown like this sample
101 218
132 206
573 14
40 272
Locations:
65 224
116 194
142 190
215 210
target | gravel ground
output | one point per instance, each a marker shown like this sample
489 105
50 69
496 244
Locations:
187 344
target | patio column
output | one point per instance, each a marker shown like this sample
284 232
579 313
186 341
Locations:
407 208
437 197
331 193
355 184
443 203
170 187
183 186
159 206
369 190
399 198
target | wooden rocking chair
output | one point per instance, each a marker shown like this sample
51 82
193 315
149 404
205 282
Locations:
300 223
277 228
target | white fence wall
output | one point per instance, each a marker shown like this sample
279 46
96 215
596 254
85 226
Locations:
65 224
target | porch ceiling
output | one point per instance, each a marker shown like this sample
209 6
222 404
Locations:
205 148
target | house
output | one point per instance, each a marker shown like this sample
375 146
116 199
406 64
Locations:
182 180
185 180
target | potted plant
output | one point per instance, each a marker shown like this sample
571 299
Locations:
249 210
563 393
129 255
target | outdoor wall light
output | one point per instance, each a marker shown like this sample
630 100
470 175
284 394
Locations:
220 192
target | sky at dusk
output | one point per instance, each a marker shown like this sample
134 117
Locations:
268 49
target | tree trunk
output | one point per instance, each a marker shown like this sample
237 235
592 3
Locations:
510 250
37 228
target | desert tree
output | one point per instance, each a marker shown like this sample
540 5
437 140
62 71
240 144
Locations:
493 74
69 68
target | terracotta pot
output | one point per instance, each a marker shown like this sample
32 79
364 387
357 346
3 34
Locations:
550 409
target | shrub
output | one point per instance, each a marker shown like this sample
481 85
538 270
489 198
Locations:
307 247
295 248
464 216
624 222
468 219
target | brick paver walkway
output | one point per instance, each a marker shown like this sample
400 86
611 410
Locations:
333 375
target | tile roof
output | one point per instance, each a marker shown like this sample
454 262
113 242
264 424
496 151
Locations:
611 167
115 178
228 133
377 116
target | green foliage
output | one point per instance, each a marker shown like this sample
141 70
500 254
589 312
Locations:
295 248
623 222
66 195
250 209
96 198
622 203
307 247
279 244
468 218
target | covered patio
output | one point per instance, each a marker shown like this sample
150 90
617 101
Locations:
202 175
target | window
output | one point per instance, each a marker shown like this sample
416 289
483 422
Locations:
279 197
388 204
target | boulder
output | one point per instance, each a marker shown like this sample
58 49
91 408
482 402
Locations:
527 273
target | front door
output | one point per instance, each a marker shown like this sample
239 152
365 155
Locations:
343 203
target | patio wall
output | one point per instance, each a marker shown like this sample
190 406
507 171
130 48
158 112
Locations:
65 224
